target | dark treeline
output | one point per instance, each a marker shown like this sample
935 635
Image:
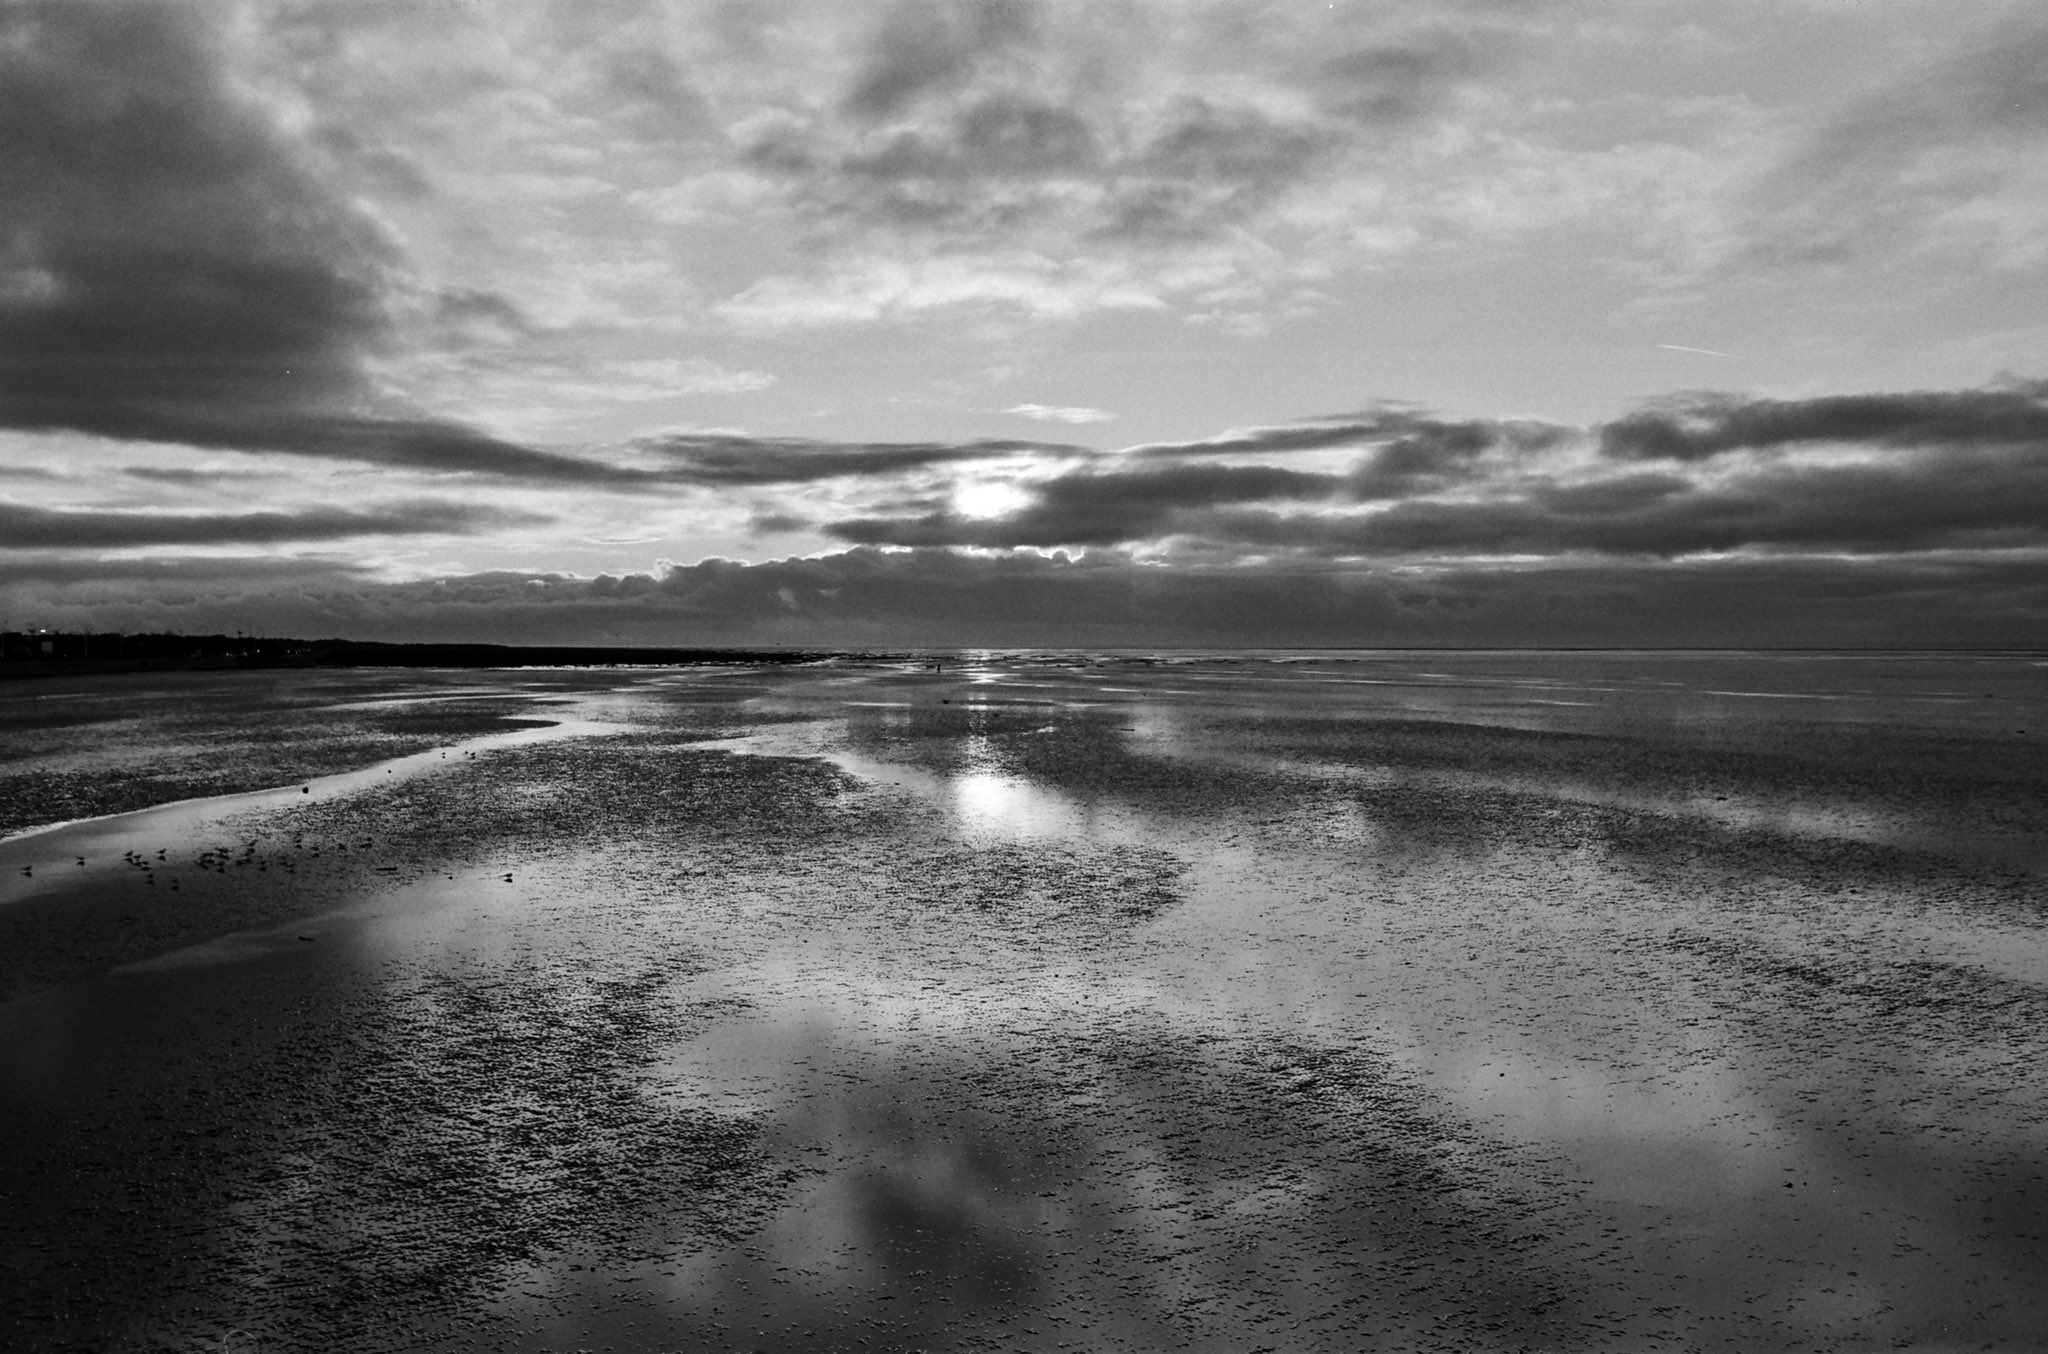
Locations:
44 652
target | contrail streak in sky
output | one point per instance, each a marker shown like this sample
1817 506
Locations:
1681 348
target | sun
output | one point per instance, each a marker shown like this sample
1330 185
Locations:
987 498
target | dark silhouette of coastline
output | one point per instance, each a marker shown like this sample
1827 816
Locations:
26 654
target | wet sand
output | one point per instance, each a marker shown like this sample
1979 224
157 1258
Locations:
1412 1002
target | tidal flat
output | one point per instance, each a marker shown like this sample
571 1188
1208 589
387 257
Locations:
1283 1001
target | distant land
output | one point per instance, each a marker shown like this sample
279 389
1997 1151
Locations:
46 653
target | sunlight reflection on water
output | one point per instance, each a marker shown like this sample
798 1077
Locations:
1406 1028
987 801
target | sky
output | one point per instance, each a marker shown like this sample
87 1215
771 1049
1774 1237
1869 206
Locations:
1026 322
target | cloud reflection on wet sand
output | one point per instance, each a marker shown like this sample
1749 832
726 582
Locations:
1003 1010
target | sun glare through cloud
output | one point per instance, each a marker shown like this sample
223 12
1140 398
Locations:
988 498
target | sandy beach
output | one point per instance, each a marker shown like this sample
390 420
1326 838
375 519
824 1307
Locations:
1271 1001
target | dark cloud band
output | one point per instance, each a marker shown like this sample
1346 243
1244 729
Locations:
726 460
26 528
1696 427
1937 471
878 598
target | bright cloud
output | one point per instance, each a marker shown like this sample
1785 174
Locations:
1046 413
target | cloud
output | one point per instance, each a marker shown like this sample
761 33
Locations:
878 598
933 596
723 459
1094 507
176 269
1428 455
776 523
207 476
681 459
29 528
426 445
1930 505
699 377
923 47
1097 122
1161 146
1381 85
1942 158
167 247
1698 426
1874 473
1235 161
107 580
1047 413
892 285
1420 433
1166 489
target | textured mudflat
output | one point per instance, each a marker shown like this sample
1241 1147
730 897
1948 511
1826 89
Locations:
1216 1006
85 746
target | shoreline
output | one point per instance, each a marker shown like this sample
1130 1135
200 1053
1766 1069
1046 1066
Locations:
292 654
540 729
